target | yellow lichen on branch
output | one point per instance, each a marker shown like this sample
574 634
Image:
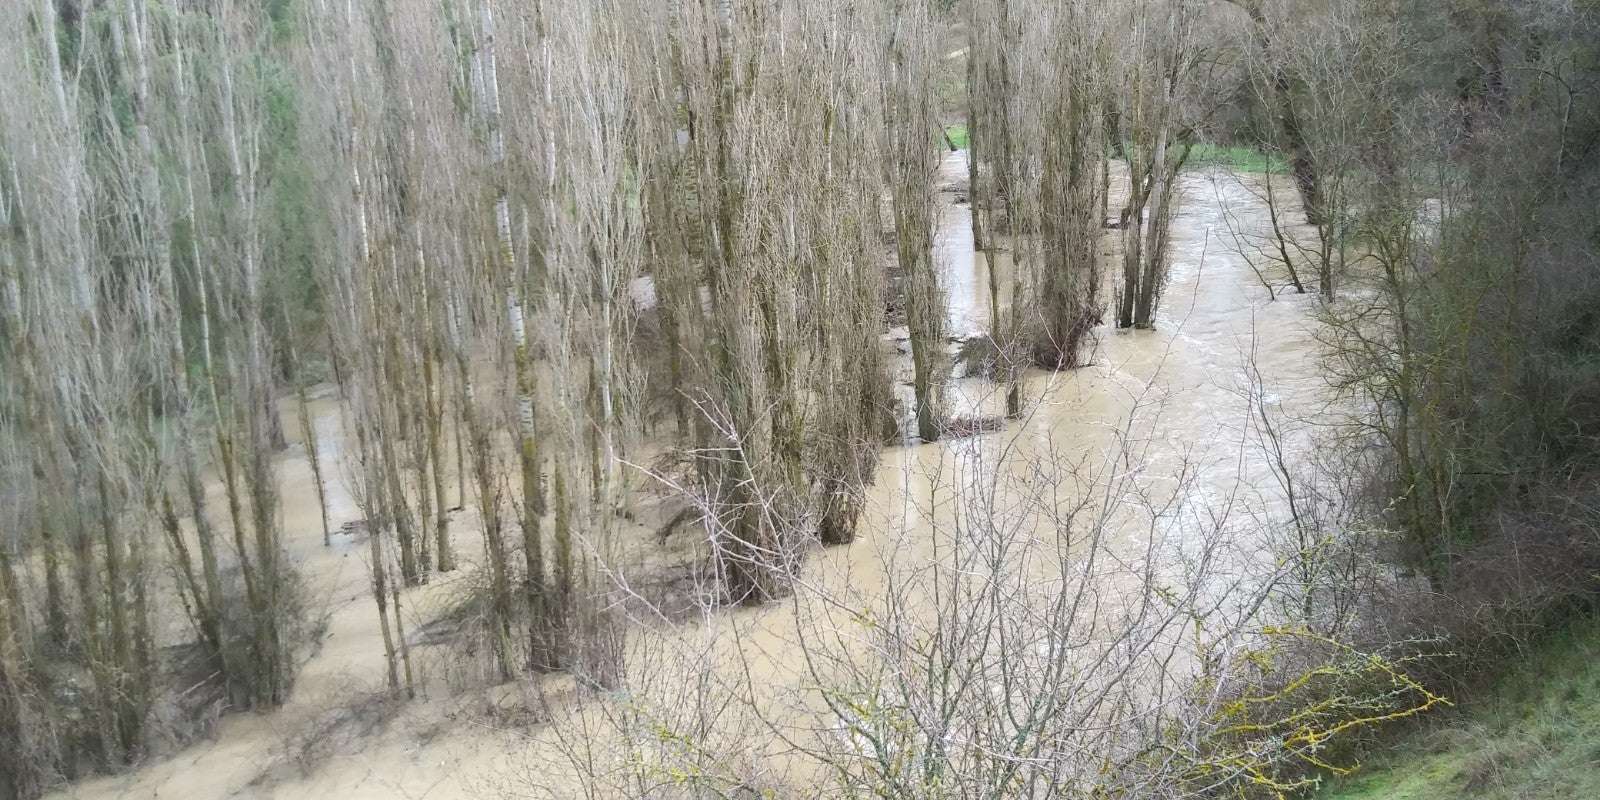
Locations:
1274 709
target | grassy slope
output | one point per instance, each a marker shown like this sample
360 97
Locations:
1536 737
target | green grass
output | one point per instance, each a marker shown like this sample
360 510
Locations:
1238 157
1536 737
958 135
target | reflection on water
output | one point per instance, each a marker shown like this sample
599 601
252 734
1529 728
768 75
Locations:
965 286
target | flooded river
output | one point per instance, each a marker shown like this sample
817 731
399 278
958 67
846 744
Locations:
1159 431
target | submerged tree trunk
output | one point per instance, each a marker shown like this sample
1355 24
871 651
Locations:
913 170
1072 197
1156 156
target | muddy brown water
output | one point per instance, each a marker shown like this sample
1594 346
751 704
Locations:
1157 405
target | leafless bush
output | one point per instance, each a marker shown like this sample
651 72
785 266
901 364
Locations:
1029 623
327 734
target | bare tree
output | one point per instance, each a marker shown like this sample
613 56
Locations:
1070 202
1013 649
1162 58
913 167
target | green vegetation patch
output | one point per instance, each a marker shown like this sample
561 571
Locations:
1537 736
958 135
1237 157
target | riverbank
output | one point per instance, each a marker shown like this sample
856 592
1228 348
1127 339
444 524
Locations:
1536 735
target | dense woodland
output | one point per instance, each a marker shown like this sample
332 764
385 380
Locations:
550 256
